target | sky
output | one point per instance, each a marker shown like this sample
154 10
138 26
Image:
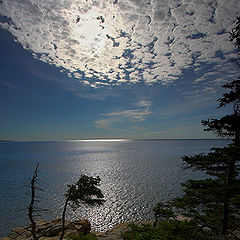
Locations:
86 69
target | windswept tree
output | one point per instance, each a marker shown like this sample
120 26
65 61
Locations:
213 203
85 191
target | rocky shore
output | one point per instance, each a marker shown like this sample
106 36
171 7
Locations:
51 230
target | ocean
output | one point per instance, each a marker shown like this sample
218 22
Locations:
135 175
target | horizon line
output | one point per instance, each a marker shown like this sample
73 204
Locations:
105 139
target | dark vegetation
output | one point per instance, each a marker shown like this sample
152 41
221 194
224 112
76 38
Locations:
165 230
81 236
210 208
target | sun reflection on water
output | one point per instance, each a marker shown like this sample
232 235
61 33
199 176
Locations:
105 140
134 176
101 140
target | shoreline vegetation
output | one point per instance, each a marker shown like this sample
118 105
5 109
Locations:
179 228
77 229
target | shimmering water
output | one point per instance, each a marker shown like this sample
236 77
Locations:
135 174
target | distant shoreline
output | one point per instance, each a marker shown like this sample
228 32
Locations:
116 140
6 141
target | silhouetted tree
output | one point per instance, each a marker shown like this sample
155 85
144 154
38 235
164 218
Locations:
31 205
229 125
33 210
213 203
86 190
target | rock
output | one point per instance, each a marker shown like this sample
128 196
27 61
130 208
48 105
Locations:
20 233
53 230
183 218
83 226
99 234
56 221
49 238
50 230
70 232
116 232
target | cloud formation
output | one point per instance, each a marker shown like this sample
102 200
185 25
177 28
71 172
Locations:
105 123
110 42
138 114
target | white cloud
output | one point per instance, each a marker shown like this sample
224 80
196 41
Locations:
138 114
105 123
144 103
133 114
155 39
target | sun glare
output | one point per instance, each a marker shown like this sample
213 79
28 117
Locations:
90 31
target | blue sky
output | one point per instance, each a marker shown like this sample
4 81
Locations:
113 69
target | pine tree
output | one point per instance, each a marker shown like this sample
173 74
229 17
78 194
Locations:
229 125
213 203
86 190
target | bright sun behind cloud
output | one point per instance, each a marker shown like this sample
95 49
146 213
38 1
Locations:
91 32
111 42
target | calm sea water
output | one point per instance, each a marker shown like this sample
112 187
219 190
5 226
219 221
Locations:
135 175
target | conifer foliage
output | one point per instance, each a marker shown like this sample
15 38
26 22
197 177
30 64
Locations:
213 204
85 191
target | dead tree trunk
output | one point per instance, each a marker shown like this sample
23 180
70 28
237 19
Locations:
31 206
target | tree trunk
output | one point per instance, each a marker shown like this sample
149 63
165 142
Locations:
226 210
155 220
30 207
63 219
232 167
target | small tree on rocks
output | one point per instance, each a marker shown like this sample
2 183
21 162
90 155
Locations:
33 210
86 190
